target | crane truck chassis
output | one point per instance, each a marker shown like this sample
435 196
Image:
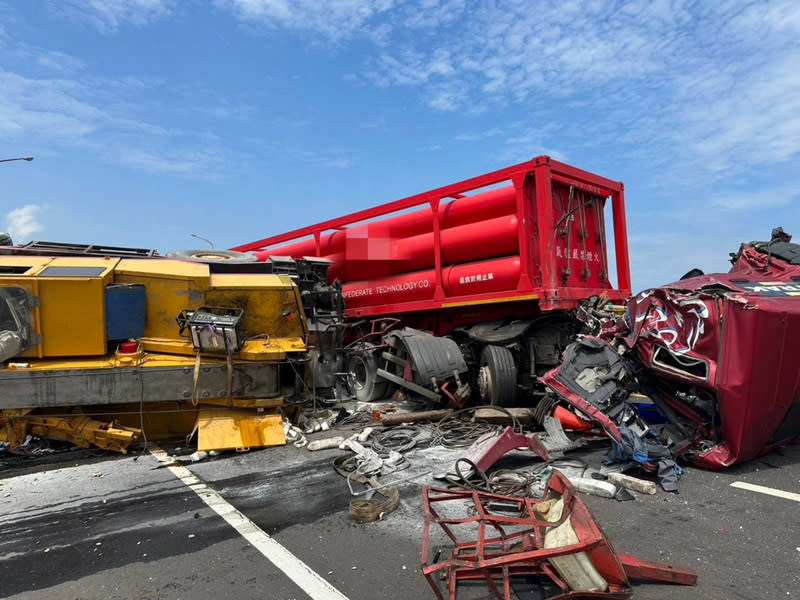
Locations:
98 344
464 290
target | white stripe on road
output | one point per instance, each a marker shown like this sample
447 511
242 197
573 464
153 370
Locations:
766 490
294 568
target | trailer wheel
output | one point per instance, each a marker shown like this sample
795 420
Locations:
209 255
362 376
497 377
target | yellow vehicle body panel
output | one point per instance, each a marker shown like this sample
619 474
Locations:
33 263
272 314
69 314
72 316
171 286
70 311
67 318
231 429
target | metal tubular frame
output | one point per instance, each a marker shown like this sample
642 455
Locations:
514 546
536 231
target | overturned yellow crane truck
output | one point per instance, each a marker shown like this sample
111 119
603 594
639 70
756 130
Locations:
108 349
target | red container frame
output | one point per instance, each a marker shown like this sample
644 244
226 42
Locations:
532 181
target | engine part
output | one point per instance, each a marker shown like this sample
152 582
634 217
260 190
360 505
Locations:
212 328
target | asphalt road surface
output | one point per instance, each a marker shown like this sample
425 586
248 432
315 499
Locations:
87 526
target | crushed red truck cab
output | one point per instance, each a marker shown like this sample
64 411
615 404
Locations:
719 358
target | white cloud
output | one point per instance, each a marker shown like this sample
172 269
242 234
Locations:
756 199
478 136
109 15
92 115
334 19
712 88
51 108
22 222
58 61
155 163
329 159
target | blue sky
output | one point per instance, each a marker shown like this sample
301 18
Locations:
237 119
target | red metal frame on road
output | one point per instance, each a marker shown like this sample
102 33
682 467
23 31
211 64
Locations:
494 539
533 183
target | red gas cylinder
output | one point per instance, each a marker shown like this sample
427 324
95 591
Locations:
458 280
380 257
453 213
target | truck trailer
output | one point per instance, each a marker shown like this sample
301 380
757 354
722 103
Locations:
465 289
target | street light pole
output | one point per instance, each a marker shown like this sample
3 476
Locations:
5 239
209 242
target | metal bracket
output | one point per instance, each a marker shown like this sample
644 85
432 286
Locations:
418 389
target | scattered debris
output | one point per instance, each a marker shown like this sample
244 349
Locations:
633 483
367 510
505 416
490 447
325 444
497 538
415 417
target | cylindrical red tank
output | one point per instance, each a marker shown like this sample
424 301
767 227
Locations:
378 257
458 280
453 213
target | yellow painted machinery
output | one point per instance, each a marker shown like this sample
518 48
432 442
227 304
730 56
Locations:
106 350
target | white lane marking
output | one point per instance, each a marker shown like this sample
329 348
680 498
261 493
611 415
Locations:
766 490
299 572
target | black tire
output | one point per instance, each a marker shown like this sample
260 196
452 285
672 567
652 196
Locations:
207 255
363 382
499 376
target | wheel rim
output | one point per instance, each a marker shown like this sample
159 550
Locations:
210 256
357 373
485 383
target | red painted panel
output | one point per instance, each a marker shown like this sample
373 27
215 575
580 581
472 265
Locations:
459 280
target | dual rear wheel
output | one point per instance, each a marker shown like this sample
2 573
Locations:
496 377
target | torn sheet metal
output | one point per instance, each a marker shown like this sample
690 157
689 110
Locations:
598 382
492 446
738 374
717 354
